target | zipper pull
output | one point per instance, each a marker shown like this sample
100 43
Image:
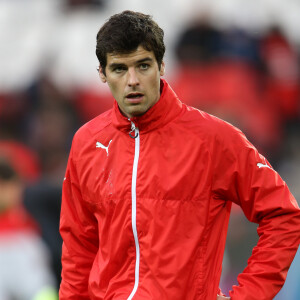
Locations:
133 130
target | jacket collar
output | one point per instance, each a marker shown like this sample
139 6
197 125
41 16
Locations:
162 112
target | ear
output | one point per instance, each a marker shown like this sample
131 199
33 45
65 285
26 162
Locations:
101 75
162 68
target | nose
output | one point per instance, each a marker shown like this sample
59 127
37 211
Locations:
132 77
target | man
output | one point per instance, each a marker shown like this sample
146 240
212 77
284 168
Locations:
149 186
25 271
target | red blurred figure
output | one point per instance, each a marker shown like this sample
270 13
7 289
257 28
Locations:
282 78
25 271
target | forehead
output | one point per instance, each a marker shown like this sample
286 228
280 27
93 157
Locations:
131 57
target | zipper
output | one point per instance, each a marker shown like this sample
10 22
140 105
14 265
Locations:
133 209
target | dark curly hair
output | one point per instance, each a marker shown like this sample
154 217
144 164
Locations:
124 32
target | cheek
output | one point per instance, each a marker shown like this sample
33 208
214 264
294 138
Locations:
155 86
114 88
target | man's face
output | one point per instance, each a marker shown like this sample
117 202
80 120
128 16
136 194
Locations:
134 80
11 194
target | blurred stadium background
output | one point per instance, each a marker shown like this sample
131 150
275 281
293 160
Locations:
236 59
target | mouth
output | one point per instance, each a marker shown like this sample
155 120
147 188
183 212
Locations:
134 97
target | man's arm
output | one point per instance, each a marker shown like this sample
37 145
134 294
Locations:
78 229
246 178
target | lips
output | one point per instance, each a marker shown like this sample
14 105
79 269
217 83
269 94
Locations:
134 97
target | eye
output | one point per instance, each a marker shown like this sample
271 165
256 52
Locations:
144 66
119 69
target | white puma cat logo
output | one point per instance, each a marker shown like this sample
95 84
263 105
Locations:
99 145
260 165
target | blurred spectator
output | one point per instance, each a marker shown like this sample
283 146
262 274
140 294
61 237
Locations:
198 43
50 127
202 42
281 61
25 271
13 106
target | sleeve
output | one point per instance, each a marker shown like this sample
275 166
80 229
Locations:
78 228
245 177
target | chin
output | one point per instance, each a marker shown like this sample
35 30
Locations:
137 112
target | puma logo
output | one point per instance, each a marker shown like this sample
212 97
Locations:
99 145
260 165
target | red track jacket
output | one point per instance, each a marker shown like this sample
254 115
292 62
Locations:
146 204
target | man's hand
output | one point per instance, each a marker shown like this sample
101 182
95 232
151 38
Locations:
222 298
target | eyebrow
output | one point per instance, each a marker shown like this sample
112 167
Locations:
143 60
